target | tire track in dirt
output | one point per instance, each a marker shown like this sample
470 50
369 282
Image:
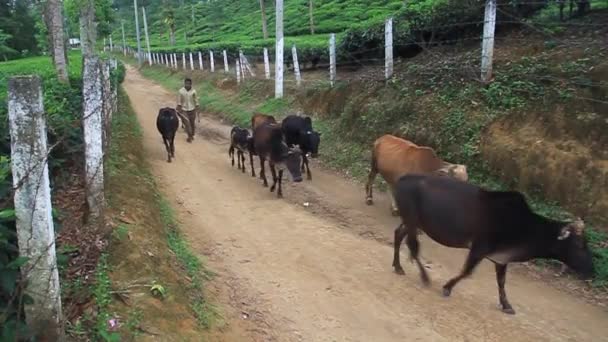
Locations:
292 273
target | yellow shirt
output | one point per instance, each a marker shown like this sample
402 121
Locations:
187 99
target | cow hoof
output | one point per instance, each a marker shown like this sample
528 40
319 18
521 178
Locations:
508 311
369 201
395 212
426 281
399 271
168 160
447 292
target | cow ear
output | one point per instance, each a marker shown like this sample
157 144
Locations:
565 233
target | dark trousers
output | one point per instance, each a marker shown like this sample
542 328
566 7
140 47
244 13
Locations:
192 118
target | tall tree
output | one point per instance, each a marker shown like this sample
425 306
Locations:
88 27
169 20
264 22
54 21
310 14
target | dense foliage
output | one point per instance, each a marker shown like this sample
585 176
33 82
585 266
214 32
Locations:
17 29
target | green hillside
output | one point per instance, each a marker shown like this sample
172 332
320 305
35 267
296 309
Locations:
359 24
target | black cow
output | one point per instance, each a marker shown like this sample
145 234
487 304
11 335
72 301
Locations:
268 144
298 131
167 124
239 141
495 225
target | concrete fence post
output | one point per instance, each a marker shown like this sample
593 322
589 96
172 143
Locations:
92 94
32 199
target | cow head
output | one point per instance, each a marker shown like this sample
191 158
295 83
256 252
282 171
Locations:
574 250
293 160
312 140
457 171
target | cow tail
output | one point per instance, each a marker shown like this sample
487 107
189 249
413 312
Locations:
374 163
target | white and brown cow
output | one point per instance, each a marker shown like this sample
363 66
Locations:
394 157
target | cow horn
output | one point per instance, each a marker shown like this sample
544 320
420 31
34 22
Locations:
565 232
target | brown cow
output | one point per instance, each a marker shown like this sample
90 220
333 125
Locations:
394 157
258 119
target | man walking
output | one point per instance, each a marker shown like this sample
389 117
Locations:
187 104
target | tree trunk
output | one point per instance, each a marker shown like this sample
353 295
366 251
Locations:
172 36
54 21
88 29
310 14
264 27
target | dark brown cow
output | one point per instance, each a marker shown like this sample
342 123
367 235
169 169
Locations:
239 143
497 225
394 157
269 144
257 120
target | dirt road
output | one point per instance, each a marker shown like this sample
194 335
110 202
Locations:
287 272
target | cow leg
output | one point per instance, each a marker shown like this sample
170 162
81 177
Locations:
251 162
263 172
173 146
273 171
394 210
369 197
476 254
280 192
305 163
231 154
400 233
168 148
501 277
242 156
414 246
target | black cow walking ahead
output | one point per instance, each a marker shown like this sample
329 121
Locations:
268 144
239 141
298 131
167 124
495 225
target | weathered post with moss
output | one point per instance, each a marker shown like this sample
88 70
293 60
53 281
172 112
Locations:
93 125
35 231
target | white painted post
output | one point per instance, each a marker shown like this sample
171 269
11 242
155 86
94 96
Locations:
212 63
184 60
296 65
191 62
278 74
93 136
139 56
200 60
245 62
124 43
388 48
238 72
487 49
111 44
332 59
175 60
266 64
104 45
32 199
107 104
242 65
226 68
143 10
